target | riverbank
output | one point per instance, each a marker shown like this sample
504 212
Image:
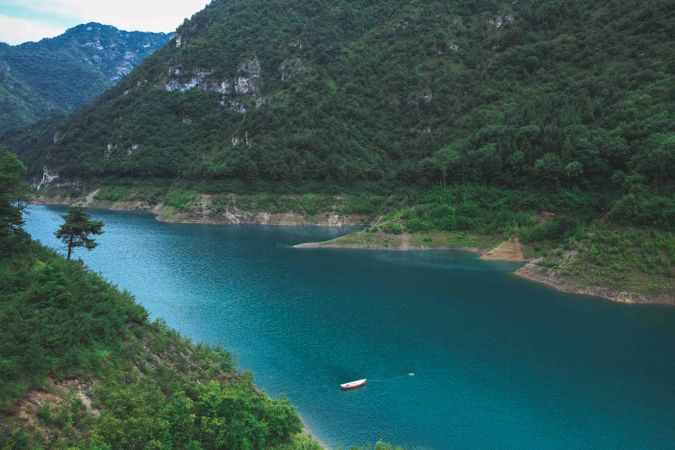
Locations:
105 376
609 278
510 250
207 210
423 241
534 271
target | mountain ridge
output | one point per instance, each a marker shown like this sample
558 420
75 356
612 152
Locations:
417 92
552 121
56 75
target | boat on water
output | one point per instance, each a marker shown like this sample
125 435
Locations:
353 384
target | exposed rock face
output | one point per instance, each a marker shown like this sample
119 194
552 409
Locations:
202 211
510 250
248 77
62 73
243 85
420 98
246 83
47 178
200 79
235 105
234 216
499 21
421 129
237 140
261 101
108 151
291 66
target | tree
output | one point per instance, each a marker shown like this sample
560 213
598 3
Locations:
657 163
446 160
13 194
548 169
76 230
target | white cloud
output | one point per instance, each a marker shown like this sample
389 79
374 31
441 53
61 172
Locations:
146 15
16 31
143 15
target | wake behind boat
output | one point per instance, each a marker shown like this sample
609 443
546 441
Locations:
353 384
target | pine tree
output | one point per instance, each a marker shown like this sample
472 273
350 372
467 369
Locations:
76 230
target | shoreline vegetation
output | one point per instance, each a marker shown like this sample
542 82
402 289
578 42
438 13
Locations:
84 367
572 269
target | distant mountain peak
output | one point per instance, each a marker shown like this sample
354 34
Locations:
61 73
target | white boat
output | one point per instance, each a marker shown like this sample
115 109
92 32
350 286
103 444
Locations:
353 384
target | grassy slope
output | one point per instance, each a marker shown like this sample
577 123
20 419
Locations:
82 367
635 260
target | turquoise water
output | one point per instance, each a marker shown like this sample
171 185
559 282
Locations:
499 362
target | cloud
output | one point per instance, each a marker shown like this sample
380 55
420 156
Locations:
16 31
146 15
130 15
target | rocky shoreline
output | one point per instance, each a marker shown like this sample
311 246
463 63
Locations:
203 215
509 250
385 248
534 272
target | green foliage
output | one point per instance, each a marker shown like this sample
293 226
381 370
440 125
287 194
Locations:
644 209
13 195
54 317
180 200
41 79
151 388
405 93
77 228
639 260
489 210
59 320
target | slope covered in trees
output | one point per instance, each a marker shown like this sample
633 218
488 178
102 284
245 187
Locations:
527 93
83 367
551 120
56 75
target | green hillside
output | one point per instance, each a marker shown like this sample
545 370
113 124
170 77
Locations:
56 75
83 367
532 93
552 121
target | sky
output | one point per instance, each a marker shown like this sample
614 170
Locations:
32 20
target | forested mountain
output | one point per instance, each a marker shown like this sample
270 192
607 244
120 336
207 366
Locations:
40 79
515 93
550 121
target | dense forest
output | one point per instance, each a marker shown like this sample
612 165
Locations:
531 93
56 75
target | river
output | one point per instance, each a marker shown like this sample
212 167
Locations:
498 361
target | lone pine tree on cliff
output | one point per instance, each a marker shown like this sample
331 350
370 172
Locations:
77 228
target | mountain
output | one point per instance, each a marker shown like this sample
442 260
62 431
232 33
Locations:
461 122
56 75
506 93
